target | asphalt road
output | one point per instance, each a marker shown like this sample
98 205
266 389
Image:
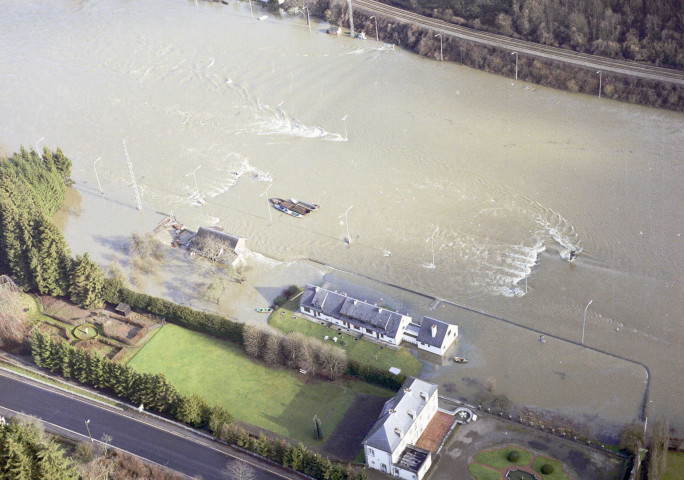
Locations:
175 450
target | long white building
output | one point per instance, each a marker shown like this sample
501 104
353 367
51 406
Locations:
389 446
376 322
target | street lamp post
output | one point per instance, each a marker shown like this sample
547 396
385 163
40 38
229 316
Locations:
346 222
516 64
600 74
195 178
344 119
88 428
96 175
432 237
441 50
268 205
377 37
584 321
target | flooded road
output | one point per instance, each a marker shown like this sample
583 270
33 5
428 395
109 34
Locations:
478 186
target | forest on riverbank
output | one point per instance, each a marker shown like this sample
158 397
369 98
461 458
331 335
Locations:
534 69
640 30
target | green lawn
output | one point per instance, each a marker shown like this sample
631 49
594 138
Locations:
272 398
360 350
558 473
675 466
497 458
483 473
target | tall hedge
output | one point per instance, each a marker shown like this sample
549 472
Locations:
374 375
183 316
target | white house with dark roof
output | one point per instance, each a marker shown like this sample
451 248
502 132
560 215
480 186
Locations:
354 315
389 446
376 322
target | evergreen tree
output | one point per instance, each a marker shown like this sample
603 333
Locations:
318 430
52 275
87 281
17 465
80 366
95 366
190 409
219 416
41 348
52 464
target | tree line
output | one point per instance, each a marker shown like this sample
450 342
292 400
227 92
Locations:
542 71
296 457
27 453
32 249
295 350
640 30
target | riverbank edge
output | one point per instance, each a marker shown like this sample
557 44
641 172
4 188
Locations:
497 60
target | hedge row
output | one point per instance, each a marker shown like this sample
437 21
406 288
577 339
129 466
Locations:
183 316
374 375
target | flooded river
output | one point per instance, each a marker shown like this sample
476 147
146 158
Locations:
478 186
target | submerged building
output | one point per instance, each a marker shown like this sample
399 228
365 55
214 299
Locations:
376 322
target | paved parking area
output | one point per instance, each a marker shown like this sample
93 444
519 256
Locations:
488 433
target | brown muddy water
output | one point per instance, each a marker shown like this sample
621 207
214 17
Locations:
478 185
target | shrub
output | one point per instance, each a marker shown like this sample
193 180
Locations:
513 456
279 300
547 469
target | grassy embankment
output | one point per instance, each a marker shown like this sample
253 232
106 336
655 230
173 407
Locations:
276 399
288 319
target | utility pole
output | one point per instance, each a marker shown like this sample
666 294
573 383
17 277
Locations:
351 18
130 170
516 64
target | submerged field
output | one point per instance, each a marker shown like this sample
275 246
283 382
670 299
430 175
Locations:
279 400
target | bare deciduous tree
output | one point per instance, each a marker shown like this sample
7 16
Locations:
272 353
254 339
239 470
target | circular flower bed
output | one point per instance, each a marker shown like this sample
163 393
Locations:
85 332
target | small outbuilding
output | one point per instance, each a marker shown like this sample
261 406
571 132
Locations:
123 309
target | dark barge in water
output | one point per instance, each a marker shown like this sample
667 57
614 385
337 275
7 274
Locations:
295 208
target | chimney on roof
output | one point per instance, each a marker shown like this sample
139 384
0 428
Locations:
316 288
399 432
412 413
355 301
434 331
424 395
391 410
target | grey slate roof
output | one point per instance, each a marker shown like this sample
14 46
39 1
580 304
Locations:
215 244
355 311
383 435
425 332
226 240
